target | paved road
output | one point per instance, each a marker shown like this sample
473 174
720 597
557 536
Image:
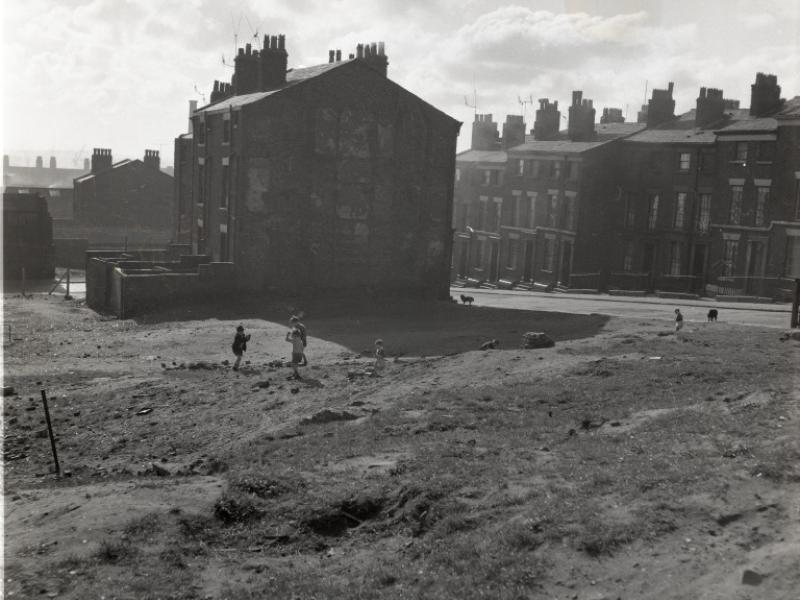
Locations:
764 315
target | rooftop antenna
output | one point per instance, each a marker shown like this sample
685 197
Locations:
524 103
645 92
201 94
474 104
235 27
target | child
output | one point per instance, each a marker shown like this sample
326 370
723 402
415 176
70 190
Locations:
298 357
239 345
678 320
296 324
380 356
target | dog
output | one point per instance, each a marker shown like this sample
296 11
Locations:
712 314
490 345
467 299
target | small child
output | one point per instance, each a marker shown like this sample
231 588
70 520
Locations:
380 356
678 320
298 356
239 345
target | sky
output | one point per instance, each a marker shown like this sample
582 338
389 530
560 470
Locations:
119 74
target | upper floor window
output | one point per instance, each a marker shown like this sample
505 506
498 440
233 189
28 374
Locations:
684 161
491 177
680 210
703 212
735 214
531 222
766 152
552 210
555 169
627 256
568 217
225 186
458 174
730 252
532 168
226 128
483 211
675 258
762 198
741 151
521 167
630 212
201 131
652 212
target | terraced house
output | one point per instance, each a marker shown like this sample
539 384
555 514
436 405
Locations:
703 202
325 177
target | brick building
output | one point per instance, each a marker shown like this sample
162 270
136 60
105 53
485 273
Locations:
325 177
54 183
130 201
532 212
705 202
27 237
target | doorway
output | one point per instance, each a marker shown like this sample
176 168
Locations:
565 266
527 270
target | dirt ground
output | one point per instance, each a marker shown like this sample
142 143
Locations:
625 462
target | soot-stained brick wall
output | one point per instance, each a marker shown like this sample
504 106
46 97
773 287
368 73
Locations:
343 182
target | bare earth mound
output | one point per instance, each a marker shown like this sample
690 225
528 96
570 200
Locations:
621 463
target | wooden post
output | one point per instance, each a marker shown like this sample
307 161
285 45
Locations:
67 296
795 305
23 282
50 433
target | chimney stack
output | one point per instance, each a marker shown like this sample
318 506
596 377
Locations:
274 60
612 115
548 120
151 159
331 55
338 56
101 159
661 107
192 108
580 124
246 70
484 133
52 162
513 131
765 95
374 54
710 107
39 163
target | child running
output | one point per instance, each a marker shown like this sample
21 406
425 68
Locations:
678 320
239 346
298 356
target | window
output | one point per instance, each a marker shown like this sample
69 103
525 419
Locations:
487 177
226 128
792 262
675 258
730 251
458 174
512 256
680 210
491 177
55 193
532 211
201 131
704 212
521 167
735 215
532 168
627 256
797 200
555 169
225 186
741 151
652 212
496 214
483 212
549 253
630 213
684 161
572 172
512 208
552 209
201 189
762 199
223 247
568 208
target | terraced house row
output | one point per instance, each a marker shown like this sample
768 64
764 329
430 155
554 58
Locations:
704 202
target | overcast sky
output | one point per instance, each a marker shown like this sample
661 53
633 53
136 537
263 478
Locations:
119 74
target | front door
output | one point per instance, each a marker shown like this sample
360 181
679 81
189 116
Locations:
754 267
699 267
527 273
494 257
649 265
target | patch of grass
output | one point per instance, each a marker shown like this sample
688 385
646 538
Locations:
233 508
113 551
143 526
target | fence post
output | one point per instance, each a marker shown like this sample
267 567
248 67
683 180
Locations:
795 304
50 433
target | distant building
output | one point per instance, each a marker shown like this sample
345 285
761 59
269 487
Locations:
27 237
128 201
326 177
51 182
704 202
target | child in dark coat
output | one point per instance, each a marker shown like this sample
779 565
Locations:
239 346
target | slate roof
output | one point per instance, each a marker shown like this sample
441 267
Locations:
674 136
791 109
751 125
40 177
293 77
117 165
482 156
558 146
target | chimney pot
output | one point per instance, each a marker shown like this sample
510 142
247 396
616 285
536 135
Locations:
39 164
248 49
338 56
671 87
331 54
381 49
52 162
281 42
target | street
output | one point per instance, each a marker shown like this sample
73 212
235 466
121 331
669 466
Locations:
762 315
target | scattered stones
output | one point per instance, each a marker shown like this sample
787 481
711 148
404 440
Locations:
792 334
490 345
328 416
750 577
533 339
